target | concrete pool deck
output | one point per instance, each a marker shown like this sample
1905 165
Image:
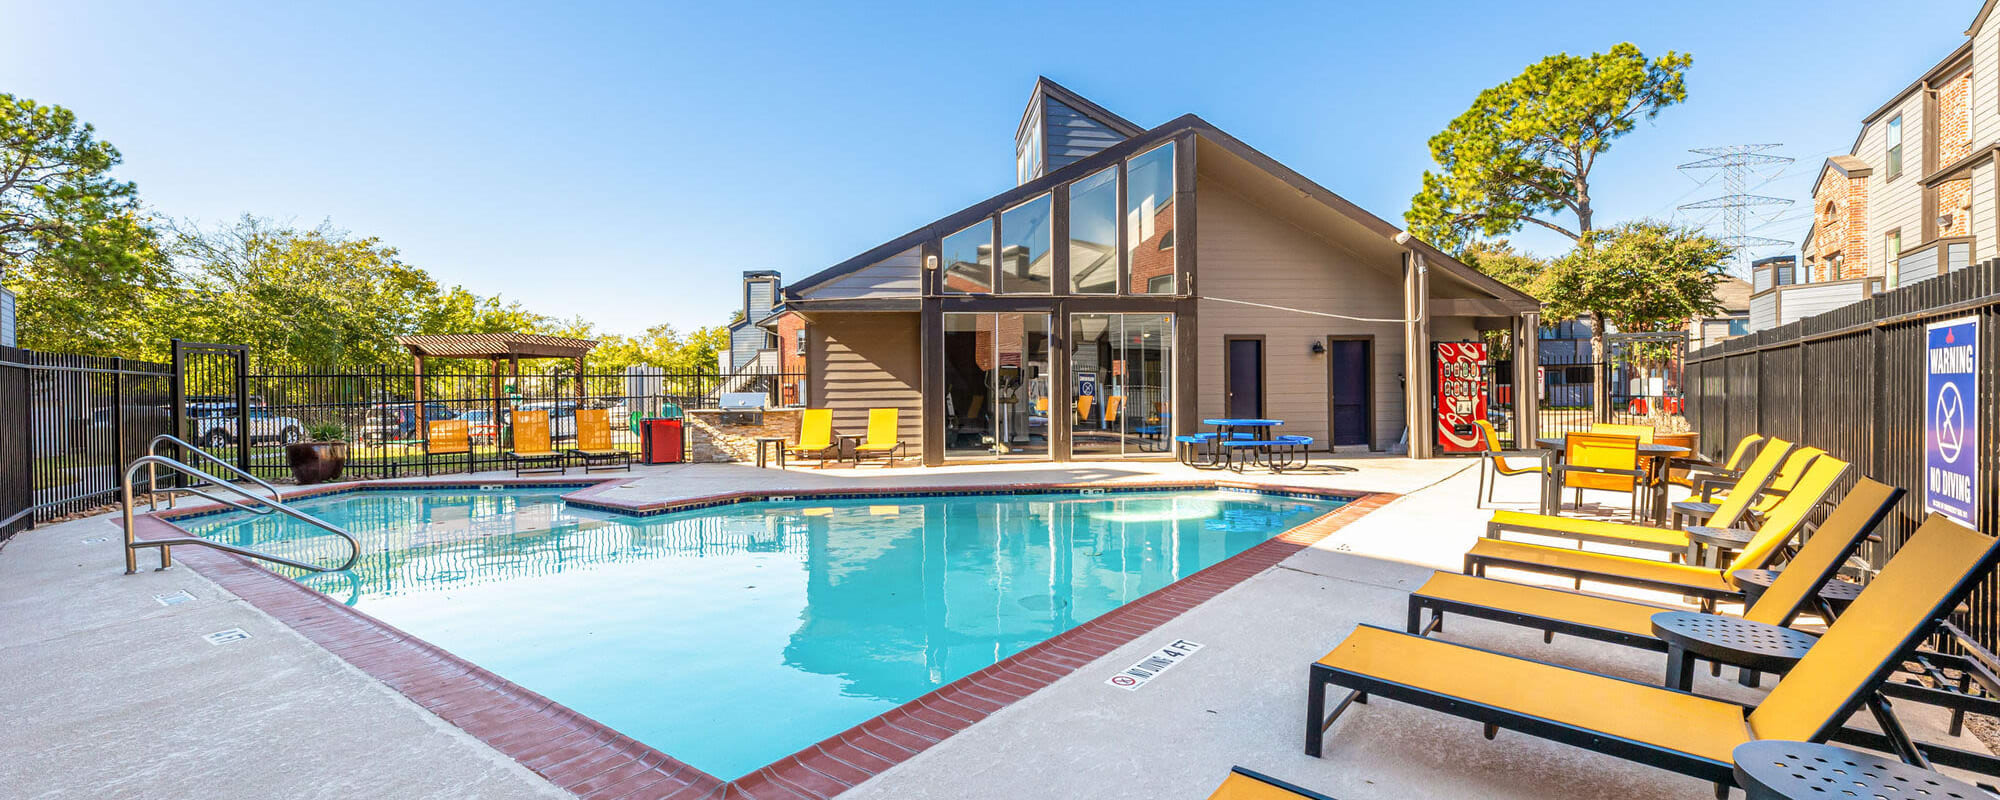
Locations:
96 665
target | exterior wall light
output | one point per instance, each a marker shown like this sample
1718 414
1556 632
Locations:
1318 347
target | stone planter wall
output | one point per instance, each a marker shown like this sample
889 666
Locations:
709 440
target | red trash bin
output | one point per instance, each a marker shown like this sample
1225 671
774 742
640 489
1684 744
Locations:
661 441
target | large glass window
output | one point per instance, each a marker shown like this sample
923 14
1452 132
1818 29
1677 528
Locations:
1149 222
996 376
1025 263
1121 383
1093 234
968 260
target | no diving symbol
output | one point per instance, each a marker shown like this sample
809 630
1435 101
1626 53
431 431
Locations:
1123 680
1950 422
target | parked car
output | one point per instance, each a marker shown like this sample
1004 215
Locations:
397 422
215 425
479 425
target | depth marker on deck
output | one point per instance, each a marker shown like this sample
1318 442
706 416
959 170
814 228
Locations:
1151 666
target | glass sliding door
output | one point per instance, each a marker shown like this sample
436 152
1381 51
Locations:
1121 384
996 377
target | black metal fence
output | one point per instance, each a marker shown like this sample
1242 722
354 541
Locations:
68 426
377 412
1851 381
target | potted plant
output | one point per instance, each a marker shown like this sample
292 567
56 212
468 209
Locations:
320 459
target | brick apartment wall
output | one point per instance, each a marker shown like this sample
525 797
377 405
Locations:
1840 219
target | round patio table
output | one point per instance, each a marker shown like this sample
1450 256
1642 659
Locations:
1754 646
1654 455
1773 769
1226 429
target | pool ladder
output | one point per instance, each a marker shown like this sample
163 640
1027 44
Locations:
250 503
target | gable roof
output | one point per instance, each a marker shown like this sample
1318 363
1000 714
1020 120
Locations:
1187 123
1103 116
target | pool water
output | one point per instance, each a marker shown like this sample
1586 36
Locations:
733 636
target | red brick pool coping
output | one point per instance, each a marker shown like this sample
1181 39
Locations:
594 761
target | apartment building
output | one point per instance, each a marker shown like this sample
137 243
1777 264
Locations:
1915 196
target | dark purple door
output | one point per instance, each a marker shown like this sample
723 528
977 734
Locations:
1349 389
1246 379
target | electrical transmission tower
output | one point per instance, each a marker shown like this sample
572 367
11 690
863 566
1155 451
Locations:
1737 164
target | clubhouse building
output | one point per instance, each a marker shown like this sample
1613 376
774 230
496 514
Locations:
1134 282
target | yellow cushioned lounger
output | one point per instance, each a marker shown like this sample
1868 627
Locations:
1758 473
1708 583
1693 735
882 435
1729 470
815 436
531 451
593 442
1242 784
1631 623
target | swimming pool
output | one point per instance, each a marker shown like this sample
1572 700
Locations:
735 635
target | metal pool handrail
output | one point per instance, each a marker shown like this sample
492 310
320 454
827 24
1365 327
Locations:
152 479
133 545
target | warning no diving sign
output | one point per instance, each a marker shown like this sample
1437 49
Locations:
1951 419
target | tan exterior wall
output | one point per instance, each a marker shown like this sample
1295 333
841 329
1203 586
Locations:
1247 254
1894 203
860 361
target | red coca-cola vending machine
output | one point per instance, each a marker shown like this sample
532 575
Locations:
1461 395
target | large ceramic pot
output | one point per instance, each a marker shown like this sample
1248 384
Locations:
316 462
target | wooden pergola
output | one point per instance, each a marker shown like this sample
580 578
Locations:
495 348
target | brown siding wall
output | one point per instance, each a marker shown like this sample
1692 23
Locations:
1248 254
860 361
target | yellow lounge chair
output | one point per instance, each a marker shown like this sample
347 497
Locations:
531 451
1498 459
1709 583
1935 570
593 442
1242 784
1698 467
882 435
815 436
1730 513
1713 492
1629 622
448 437
1601 462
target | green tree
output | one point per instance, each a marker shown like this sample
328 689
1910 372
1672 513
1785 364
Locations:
318 296
1524 152
1644 276
74 245
1500 260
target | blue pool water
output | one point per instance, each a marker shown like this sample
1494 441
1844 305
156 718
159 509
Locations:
733 636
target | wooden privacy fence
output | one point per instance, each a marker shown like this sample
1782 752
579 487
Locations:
1852 381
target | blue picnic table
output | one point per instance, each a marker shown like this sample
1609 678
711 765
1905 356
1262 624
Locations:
1249 437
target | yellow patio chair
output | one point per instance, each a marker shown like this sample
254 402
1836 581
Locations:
1685 733
1602 462
1727 515
1644 433
882 436
815 436
448 437
1242 784
1083 408
1708 583
1629 622
1113 406
593 442
531 451
1497 458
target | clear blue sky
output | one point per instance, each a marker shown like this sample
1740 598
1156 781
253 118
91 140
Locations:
626 162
